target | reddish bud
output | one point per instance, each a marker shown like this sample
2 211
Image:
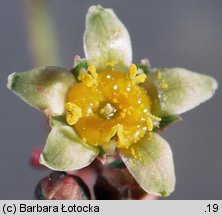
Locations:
118 183
34 159
61 186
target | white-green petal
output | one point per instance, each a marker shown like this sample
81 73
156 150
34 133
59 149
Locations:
153 167
106 40
43 88
177 90
65 151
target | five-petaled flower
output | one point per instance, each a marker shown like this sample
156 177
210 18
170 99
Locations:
106 105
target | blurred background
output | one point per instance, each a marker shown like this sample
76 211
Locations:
170 33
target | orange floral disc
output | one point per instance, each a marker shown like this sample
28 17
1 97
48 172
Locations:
109 109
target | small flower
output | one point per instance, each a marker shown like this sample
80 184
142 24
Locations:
106 104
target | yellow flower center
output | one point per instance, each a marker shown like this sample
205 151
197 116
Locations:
109 108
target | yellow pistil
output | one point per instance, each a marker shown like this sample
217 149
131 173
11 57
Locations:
108 111
89 77
73 113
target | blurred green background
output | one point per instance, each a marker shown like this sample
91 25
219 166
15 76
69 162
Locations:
170 33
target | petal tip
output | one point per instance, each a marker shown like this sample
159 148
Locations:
106 40
42 160
95 9
11 79
214 84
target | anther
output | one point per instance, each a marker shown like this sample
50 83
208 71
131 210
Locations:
149 124
139 78
89 77
132 71
135 75
150 120
73 113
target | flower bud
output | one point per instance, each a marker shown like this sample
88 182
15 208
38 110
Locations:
61 186
118 184
34 158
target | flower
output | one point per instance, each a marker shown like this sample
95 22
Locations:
105 104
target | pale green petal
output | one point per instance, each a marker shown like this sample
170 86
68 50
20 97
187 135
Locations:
153 167
43 88
176 90
106 40
64 151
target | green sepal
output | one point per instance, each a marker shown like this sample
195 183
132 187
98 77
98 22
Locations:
144 68
101 151
80 65
167 121
116 164
57 121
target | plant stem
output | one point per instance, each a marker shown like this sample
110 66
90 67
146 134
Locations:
43 43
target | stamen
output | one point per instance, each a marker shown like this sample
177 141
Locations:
88 78
73 113
92 71
122 141
154 117
149 121
159 75
139 78
135 75
132 71
149 124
